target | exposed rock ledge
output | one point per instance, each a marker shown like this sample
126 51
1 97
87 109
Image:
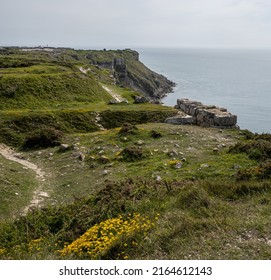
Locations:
194 112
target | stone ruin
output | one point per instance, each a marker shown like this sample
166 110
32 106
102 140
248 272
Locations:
194 112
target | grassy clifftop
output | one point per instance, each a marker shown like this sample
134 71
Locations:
40 77
64 89
123 184
45 84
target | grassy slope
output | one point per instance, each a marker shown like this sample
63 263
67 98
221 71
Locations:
47 88
16 187
205 212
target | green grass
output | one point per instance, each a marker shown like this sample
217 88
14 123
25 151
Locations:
17 185
188 175
43 90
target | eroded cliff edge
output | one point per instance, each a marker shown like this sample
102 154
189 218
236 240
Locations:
128 71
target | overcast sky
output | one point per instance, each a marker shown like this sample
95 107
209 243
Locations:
136 23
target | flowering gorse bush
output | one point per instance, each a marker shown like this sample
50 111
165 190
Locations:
118 232
2 251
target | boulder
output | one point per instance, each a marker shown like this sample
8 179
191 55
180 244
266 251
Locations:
142 99
64 147
180 120
204 115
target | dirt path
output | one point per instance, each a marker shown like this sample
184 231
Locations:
38 195
116 96
83 70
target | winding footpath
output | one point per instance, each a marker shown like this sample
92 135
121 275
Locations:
114 95
38 195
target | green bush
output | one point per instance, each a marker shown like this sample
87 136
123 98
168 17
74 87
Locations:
263 171
127 129
130 154
45 136
259 149
155 134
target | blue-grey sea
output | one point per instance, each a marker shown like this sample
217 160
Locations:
239 80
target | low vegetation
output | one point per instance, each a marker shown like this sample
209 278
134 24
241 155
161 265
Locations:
122 184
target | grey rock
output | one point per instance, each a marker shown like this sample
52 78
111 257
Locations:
178 165
64 147
206 115
173 153
81 156
180 120
114 101
158 178
105 172
140 142
104 159
142 99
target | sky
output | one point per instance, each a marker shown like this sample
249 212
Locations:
136 23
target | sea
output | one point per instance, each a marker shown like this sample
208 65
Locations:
239 80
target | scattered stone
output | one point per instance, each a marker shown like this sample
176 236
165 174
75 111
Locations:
158 179
75 147
64 147
178 165
104 159
204 165
215 150
50 154
173 153
105 172
236 166
140 142
81 156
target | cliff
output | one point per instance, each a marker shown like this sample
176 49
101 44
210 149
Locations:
120 67
128 71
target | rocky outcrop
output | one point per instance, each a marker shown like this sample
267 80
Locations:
129 72
180 120
203 115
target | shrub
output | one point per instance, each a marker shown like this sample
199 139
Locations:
155 134
106 239
128 128
132 154
194 197
259 149
263 171
45 136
